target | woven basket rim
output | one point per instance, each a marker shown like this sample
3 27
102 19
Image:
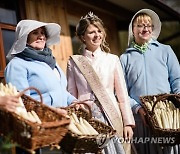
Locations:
90 119
43 124
50 108
92 136
56 123
151 115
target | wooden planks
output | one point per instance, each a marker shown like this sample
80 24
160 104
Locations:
53 11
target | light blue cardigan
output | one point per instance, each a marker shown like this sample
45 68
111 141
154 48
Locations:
154 72
24 74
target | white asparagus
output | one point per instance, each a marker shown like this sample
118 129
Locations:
72 127
158 118
148 105
170 112
163 118
86 130
90 128
31 117
174 119
177 118
36 117
75 117
9 89
81 129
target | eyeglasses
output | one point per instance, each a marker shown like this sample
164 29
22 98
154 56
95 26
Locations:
144 26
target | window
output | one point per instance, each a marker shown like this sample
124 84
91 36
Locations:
75 41
6 41
8 16
76 44
8 21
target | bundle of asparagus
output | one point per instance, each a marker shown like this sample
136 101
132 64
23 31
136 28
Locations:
80 126
167 115
10 90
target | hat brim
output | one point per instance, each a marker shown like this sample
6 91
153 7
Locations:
24 27
155 21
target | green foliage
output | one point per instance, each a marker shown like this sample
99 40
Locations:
6 144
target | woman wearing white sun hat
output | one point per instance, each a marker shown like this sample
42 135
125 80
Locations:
33 64
150 68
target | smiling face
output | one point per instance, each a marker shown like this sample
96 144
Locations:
37 38
92 37
142 29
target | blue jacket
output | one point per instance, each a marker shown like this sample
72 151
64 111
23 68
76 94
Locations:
24 74
154 72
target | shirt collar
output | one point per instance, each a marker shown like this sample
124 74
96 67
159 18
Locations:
151 42
91 54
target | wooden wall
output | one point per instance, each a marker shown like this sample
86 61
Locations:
58 11
77 9
53 11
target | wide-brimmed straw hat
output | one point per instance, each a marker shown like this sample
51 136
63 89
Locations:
155 21
24 27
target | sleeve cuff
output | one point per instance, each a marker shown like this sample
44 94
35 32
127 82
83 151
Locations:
135 108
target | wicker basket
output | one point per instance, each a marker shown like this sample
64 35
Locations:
31 136
73 143
152 121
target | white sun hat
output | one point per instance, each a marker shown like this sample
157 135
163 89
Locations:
155 21
24 27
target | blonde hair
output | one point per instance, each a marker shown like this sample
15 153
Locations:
142 18
85 21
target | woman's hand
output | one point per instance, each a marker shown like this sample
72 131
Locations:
81 104
143 114
9 102
128 132
61 111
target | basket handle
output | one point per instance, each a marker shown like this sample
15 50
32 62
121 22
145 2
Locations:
162 98
56 123
31 88
85 104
